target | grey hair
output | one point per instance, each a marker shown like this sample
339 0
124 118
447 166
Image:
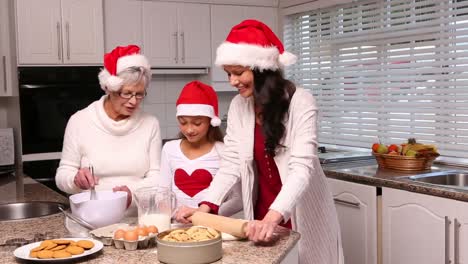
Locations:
135 75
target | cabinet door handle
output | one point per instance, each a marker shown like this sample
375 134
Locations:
447 240
182 36
176 36
59 42
4 73
67 27
456 246
343 202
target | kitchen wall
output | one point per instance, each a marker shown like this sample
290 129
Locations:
162 96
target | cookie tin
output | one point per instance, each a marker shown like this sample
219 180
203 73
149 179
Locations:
199 252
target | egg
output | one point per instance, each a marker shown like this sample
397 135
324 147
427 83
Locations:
152 229
131 235
119 234
141 231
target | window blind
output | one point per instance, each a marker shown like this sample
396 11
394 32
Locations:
386 69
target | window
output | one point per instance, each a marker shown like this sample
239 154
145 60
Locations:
386 69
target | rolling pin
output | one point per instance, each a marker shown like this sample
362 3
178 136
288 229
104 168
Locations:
235 227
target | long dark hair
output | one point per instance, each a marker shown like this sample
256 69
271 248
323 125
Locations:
214 134
273 95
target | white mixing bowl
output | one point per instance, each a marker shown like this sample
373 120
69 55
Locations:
108 208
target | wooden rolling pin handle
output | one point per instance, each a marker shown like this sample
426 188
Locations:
235 227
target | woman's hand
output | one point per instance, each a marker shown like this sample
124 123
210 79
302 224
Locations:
84 179
262 231
124 188
184 213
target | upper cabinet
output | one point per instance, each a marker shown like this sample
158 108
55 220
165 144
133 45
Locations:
224 17
60 31
122 32
8 79
176 34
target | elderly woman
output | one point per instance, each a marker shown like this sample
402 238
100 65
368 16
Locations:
113 134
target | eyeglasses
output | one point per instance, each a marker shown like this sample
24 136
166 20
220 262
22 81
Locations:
128 95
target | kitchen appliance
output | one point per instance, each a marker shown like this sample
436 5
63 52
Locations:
7 151
48 97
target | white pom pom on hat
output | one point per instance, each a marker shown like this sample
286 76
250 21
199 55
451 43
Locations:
253 44
198 99
119 59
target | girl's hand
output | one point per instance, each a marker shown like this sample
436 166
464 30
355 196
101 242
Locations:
262 231
84 179
184 213
124 188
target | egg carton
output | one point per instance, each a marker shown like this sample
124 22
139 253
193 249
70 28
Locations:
105 234
141 243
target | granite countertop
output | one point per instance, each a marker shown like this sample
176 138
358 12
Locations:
53 226
369 173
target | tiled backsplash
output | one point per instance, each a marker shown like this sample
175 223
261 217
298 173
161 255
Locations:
162 96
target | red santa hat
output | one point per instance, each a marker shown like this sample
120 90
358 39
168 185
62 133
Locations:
253 44
198 99
118 60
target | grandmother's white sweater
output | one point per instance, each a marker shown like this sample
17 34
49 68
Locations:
125 152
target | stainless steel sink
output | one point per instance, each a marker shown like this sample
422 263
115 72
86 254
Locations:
458 179
15 211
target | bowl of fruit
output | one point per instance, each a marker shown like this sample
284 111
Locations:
410 156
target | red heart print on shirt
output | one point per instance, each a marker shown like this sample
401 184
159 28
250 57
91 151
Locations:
192 184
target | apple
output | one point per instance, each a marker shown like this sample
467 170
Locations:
393 148
375 146
382 149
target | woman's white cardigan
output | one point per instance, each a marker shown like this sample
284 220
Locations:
304 197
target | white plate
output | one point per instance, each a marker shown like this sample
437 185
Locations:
23 252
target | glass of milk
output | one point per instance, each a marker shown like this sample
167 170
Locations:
155 206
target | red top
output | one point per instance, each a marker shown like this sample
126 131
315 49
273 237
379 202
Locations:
269 180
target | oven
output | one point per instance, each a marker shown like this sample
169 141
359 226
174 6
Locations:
48 97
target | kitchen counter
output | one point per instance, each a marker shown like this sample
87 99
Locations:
53 227
369 173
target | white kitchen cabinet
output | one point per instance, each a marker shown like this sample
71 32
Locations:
223 18
176 34
118 29
418 228
60 31
460 233
356 205
8 80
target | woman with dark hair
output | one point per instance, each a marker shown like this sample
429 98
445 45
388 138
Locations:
189 164
271 148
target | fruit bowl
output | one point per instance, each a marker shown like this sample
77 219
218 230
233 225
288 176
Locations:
404 163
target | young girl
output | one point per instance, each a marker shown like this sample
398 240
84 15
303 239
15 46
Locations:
189 164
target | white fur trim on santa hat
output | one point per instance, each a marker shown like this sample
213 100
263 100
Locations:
109 82
135 60
253 56
215 121
198 110
287 58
